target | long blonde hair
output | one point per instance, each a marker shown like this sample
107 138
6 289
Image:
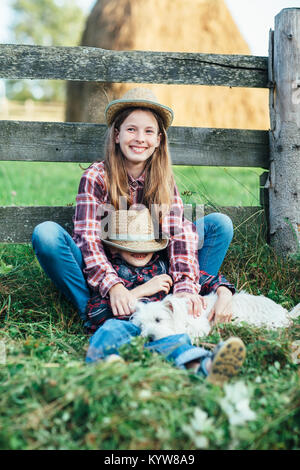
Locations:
159 179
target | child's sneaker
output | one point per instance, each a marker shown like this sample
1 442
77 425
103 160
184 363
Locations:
114 358
226 361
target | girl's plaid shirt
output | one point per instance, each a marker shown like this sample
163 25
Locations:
99 272
98 308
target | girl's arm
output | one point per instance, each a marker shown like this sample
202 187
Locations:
210 283
222 310
92 194
182 249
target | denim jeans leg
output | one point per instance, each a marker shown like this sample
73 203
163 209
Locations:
109 337
61 259
178 349
215 234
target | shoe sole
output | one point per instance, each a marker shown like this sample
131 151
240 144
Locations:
227 361
113 358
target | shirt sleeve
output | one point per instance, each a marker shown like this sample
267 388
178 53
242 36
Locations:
211 283
92 194
182 248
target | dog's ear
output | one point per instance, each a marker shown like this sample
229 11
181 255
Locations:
168 303
173 304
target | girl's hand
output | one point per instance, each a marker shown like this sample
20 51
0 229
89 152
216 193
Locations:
122 301
196 303
222 310
162 282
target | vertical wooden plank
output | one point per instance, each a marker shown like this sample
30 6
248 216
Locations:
284 178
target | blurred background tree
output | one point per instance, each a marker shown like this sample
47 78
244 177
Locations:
44 23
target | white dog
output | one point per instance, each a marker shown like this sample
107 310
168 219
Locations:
170 316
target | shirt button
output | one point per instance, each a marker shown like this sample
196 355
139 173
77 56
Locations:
134 184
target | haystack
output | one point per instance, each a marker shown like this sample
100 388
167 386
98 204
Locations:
176 26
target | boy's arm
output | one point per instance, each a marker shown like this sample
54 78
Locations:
161 282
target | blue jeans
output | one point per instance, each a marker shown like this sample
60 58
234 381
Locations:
62 261
114 333
215 234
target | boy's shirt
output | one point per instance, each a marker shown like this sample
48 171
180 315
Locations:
98 309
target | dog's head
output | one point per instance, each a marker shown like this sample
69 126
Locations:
160 319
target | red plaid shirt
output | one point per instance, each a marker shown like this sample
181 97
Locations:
99 272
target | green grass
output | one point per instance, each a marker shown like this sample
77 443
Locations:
220 186
51 399
32 183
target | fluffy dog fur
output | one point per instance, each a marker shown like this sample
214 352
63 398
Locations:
170 316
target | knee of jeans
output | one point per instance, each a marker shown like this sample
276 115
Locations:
45 236
183 339
111 323
223 223
109 337
112 328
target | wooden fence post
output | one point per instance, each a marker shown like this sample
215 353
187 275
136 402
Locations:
284 175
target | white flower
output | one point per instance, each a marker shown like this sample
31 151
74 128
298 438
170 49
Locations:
201 442
235 404
199 424
144 394
133 404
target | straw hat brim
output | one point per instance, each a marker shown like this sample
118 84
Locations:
114 107
138 247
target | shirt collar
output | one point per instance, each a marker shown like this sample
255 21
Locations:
138 181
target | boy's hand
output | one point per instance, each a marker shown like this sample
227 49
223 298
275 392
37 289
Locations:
122 300
162 282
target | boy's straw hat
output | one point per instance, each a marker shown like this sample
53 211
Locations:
138 98
133 230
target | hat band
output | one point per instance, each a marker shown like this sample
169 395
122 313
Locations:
131 238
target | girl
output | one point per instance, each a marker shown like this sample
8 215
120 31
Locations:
136 169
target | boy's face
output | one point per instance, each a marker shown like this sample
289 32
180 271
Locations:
134 259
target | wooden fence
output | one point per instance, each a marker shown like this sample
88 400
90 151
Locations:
276 150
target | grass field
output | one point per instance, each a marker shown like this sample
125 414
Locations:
32 183
49 397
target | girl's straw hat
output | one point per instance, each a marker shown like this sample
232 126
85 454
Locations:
138 98
133 230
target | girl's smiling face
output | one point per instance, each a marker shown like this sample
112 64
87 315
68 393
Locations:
138 138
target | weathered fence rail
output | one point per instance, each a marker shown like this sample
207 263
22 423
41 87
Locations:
80 142
99 65
20 221
277 150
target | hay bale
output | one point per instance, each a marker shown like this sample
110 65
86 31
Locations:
176 26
